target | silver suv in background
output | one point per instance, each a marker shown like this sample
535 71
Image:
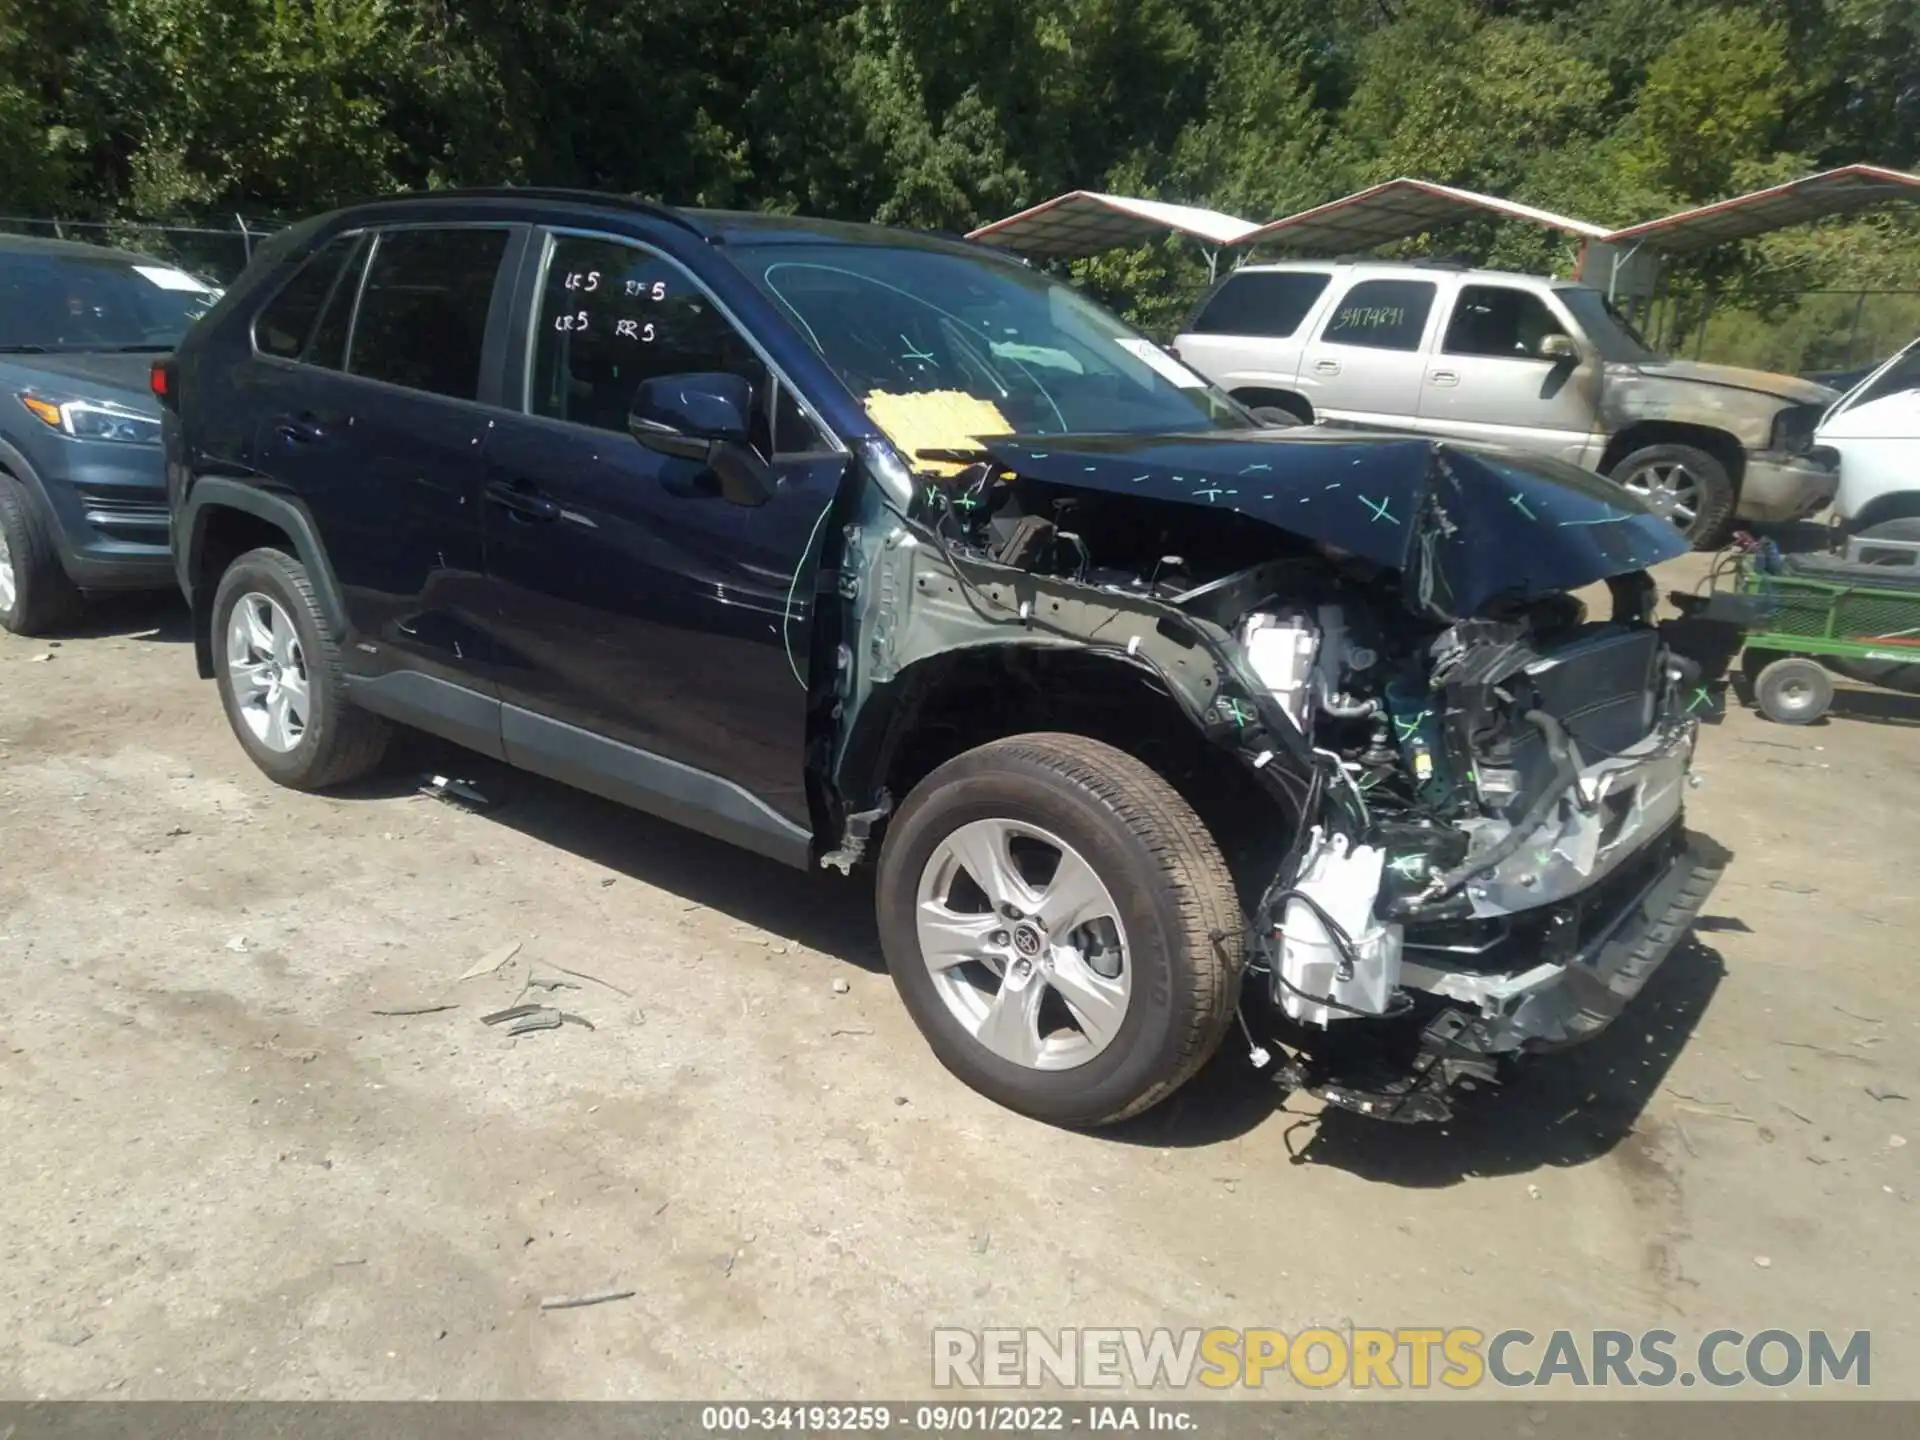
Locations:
1542 365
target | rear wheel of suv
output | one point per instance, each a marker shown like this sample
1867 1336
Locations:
1686 487
278 667
1061 927
36 597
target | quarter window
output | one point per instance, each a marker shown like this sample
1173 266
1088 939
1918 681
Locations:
283 326
423 309
613 315
1382 315
1499 322
1269 303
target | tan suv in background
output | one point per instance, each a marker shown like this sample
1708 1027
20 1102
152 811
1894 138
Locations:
1517 360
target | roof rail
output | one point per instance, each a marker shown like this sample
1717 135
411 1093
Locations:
575 195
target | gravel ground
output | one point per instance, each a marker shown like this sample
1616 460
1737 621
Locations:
228 1172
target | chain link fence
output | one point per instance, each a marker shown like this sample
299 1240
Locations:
213 252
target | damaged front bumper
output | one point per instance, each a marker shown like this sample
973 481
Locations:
1609 941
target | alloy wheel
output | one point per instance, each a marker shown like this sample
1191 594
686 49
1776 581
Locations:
269 672
1025 944
1671 490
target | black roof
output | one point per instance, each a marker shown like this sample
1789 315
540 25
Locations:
719 227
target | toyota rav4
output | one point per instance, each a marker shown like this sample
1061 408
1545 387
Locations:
870 550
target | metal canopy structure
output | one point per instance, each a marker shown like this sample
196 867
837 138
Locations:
1086 222
1399 209
1845 191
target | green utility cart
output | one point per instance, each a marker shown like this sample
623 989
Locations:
1856 612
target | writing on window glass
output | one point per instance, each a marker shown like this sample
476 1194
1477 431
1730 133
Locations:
1371 317
647 289
582 280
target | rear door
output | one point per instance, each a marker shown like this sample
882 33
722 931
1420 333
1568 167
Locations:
654 638
1487 380
378 426
1365 363
1247 335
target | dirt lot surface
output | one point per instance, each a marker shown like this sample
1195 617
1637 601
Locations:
227 1172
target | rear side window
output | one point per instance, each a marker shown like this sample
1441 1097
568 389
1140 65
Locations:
283 326
423 309
1382 315
1261 302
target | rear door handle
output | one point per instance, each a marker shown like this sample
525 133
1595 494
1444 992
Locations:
301 429
1445 377
523 500
1326 367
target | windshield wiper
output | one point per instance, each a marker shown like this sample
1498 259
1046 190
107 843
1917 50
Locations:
136 349
24 350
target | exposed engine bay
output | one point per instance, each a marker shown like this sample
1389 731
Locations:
1487 852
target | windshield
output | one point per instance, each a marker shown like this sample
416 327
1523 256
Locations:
1605 326
1033 352
61 302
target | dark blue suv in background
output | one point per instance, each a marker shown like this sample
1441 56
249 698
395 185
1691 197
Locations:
844 544
82 492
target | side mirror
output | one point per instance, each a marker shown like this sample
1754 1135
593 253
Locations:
1560 349
708 417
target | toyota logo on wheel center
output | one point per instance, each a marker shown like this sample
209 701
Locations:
1026 939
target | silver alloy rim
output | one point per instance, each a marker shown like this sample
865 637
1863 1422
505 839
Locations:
1671 491
268 671
8 588
1025 944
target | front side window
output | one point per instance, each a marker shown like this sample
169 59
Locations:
613 315
1499 322
1903 374
913 320
56 298
423 309
1382 315
1268 303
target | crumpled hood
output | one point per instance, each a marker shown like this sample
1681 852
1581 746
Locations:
1789 388
1463 524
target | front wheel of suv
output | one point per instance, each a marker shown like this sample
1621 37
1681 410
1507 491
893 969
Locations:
277 664
1061 926
1684 486
36 597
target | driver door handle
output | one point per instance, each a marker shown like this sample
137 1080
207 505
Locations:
1326 367
1445 377
301 429
523 500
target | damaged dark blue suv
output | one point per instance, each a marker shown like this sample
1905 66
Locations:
851 545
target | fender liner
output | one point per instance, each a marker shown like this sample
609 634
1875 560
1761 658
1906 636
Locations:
214 492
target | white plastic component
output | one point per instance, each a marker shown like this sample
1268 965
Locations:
1344 883
1280 650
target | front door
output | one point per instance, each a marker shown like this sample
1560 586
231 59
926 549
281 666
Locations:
654 640
1365 364
1488 381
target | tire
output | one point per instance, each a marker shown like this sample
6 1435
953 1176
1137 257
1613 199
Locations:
36 597
1793 691
334 742
1888 674
1162 878
1685 486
